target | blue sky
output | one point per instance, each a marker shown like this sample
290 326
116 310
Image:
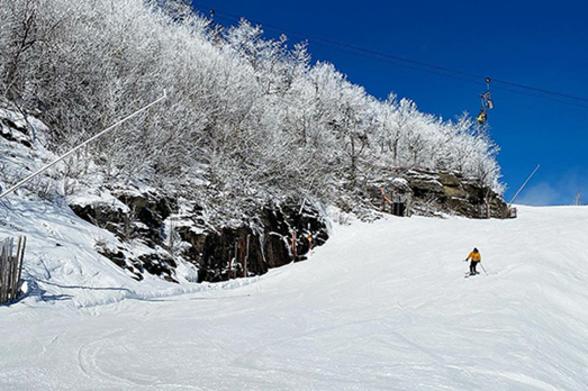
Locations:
542 44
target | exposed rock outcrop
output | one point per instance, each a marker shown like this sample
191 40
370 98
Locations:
134 217
429 193
280 234
15 131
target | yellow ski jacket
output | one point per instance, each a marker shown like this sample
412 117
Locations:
476 257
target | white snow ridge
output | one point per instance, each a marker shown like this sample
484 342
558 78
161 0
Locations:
382 306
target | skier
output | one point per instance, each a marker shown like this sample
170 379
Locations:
475 258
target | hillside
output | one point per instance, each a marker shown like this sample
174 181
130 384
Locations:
247 120
379 306
229 175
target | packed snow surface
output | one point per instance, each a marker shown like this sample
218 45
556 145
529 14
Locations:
381 306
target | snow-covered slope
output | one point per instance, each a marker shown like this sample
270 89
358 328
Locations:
380 306
63 248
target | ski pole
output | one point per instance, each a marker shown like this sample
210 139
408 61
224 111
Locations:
483 268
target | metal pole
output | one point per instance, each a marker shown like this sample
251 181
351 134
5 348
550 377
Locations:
483 268
48 166
524 184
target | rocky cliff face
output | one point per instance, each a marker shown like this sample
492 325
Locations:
138 222
280 234
429 193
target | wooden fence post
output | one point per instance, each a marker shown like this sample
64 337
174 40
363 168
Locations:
3 271
18 272
11 269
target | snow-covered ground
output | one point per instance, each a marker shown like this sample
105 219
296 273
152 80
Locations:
380 306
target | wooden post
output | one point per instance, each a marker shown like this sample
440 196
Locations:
14 267
5 255
11 269
21 262
3 264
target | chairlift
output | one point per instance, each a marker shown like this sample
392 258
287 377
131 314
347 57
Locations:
482 117
486 103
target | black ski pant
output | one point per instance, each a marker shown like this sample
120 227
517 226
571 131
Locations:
473 265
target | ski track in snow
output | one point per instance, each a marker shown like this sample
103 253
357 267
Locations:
382 306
